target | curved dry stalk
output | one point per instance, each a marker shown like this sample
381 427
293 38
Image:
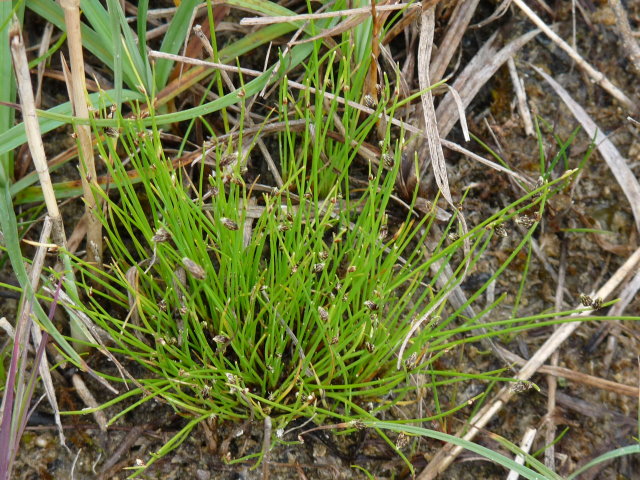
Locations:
431 126
436 154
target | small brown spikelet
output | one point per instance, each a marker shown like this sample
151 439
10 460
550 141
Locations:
371 305
228 223
194 269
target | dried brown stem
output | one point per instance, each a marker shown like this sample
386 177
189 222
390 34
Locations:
36 147
319 16
36 334
431 125
79 101
521 96
525 446
578 377
266 447
372 80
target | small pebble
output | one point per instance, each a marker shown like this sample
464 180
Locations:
203 474
42 442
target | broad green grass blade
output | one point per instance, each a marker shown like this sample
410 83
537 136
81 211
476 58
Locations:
61 114
114 16
143 8
297 54
8 92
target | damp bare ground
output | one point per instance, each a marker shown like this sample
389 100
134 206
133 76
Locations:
590 419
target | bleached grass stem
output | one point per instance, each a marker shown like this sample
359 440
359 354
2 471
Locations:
79 101
32 128
318 16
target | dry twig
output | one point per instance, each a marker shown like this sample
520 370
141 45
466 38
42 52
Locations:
318 16
627 294
112 461
89 400
550 434
36 147
32 129
44 46
577 377
525 446
596 76
266 447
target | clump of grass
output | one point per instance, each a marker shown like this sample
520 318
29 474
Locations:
302 313
314 299
246 302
